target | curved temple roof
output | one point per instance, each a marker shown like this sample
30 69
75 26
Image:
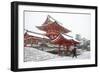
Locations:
51 24
64 40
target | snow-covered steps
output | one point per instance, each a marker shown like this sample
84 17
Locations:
32 54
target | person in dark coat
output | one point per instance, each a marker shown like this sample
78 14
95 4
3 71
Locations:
74 53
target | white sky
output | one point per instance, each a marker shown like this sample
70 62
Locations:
77 23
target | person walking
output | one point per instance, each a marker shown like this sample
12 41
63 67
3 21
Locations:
74 52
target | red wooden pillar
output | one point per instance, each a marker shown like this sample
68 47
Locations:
64 49
59 50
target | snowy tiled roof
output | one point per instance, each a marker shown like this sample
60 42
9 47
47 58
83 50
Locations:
70 38
37 35
67 37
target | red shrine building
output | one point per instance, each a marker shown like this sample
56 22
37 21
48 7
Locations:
55 32
30 39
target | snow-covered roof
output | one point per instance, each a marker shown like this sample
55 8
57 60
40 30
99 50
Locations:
54 20
75 40
69 38
56 38
50 18
37 35
51 22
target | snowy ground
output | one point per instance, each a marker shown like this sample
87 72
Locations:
84 55
32 54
